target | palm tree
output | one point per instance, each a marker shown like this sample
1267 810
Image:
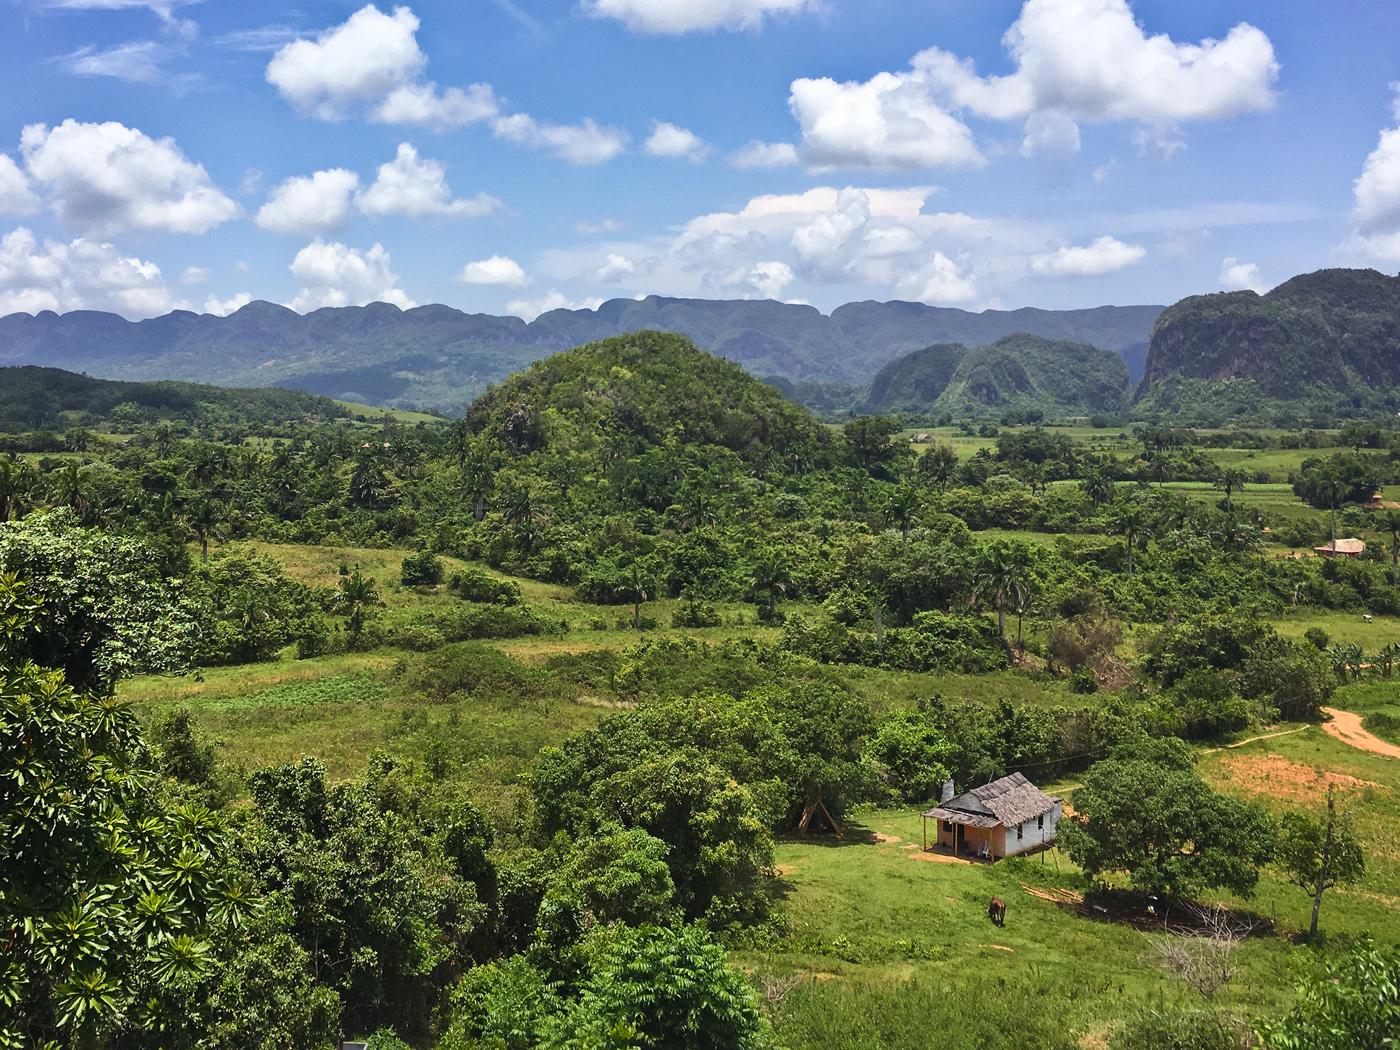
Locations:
71 486
205 517
1387 657
1341 662
16 484
1098 486
1004 578
1333 489
1036 475
165 437
1231 481
358 594
478 467
902 509
1356 657
1390 525
1129 520
518 509
769 578
938 464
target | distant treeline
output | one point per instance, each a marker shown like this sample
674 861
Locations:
34 398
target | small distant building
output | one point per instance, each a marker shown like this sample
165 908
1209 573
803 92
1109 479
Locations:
1001 819
1347 548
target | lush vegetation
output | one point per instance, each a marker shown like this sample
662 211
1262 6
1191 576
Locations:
1318 347
604 716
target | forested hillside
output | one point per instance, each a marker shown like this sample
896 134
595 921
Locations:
1018 374
51 399
439 358
608 715
1320 346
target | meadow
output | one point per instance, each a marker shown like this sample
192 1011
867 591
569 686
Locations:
880 945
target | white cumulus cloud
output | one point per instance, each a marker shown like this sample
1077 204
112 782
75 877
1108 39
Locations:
362 61
16 198
670 140
103 178
415 187
529 309
1075 61
1103 256
764 155
195 275
940 282
371 64
769 278
332 274
889 121
223 307
315 203
78 275
1236 276
1377 193
615 268
689 16
498 270
584 144
425 104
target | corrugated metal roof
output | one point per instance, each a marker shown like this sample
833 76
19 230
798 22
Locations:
1009 801
1346 546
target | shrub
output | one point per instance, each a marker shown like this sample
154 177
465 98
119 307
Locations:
474 585
696 614
471 620
1082 681
1317 637
423 569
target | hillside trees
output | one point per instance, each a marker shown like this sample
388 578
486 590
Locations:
1146 812
113 897
1353 1005
107 608
1320 854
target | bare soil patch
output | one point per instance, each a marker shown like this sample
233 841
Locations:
1277 777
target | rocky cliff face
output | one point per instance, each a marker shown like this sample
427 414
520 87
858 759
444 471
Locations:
1332 334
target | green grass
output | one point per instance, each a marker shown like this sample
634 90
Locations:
885 950
1342 627
891 951
896 951
376 413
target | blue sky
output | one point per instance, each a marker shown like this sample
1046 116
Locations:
514 155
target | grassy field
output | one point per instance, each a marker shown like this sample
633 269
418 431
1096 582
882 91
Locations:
882 947
887 946
375 413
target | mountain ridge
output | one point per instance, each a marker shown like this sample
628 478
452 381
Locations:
1323 342
437 356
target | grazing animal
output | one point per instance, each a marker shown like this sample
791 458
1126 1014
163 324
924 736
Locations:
996 911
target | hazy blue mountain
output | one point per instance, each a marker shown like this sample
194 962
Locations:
437 357
1055 376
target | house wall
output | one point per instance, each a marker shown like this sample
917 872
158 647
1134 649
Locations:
1031 836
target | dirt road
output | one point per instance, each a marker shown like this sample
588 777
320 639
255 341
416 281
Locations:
1346 727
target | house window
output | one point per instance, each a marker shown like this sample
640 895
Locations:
948 826
1040 822
1020 832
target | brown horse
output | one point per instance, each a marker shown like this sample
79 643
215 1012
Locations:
996 911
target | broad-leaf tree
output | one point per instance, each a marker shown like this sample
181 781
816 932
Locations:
1145 811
